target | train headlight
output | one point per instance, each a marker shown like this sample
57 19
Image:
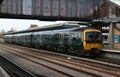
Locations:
88 44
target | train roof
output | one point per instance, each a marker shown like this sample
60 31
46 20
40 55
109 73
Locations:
59 26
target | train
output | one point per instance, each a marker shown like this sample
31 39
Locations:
83 41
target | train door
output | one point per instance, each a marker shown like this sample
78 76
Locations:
75 40
33 37
23 39
40 40
61 36
65 41
36 39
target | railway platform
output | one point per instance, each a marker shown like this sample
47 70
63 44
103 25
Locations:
111 53
107 49
111 50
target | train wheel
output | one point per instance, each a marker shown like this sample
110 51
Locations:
77 53
70 50
55 48
80 53
59 49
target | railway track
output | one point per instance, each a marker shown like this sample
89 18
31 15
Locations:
108 60
105 64
13 70
77 65
52 64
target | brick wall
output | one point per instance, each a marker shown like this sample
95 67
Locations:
117 32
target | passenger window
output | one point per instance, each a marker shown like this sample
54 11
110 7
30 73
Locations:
36 38
74 39
90 37
66 38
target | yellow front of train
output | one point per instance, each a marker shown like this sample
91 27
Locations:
92 41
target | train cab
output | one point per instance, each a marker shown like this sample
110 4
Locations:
92 41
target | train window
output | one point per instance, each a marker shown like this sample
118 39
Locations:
93 37
35 38
97 36
55 37
46 37
74 39
66 38
89 37
49 37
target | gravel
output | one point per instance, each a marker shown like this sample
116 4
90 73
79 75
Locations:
31 67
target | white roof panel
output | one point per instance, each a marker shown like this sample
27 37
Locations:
117 2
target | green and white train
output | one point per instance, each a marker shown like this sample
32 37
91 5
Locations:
81 41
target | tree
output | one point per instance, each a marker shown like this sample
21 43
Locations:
3 31
12 30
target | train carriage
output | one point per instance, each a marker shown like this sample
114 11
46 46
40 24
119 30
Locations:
81 41
7 38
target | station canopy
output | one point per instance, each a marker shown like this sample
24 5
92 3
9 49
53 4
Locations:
116 2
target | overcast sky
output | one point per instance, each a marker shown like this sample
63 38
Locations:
18 24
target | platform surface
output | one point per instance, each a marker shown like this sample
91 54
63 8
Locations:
107 49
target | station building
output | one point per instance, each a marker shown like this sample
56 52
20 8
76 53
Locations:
114 13
117 36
